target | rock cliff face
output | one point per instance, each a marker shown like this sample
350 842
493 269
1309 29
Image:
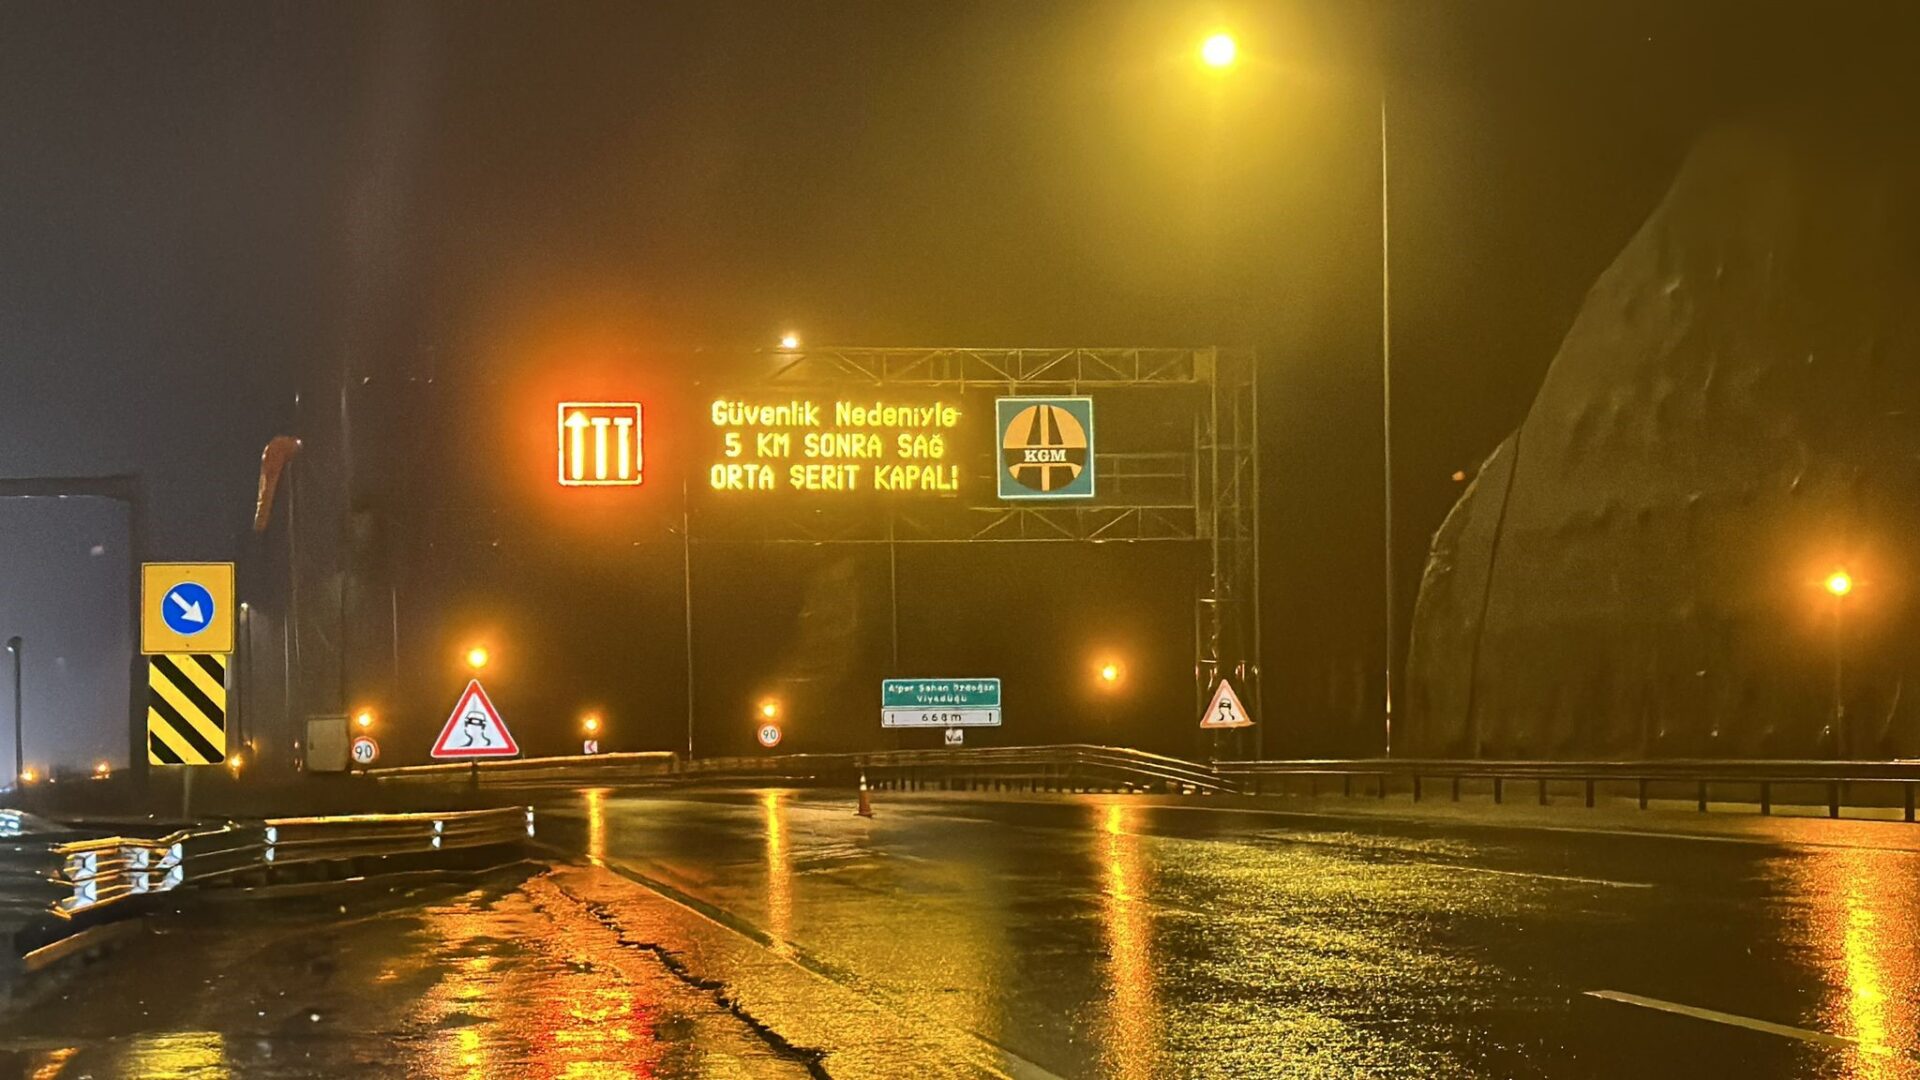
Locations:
1735 413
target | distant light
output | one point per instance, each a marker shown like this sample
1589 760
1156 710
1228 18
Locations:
477 657
1219 51
789 340
1839 583
28 776
235 762
1459 475
103 770
769 708
591 722
364 718
1110 673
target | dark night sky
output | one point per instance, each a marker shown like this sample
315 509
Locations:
203 206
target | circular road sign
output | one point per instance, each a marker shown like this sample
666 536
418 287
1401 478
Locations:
365 750
769 735
187 608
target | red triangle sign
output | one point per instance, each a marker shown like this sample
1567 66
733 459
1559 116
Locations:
1225 710
475 729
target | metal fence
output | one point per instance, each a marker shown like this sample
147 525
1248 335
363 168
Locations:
1860 784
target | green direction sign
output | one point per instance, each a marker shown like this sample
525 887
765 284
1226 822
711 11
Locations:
940 694
941 703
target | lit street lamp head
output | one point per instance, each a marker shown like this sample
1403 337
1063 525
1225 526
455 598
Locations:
477 658
769 709
789 340
1839 583
364 718
591 722
1219 51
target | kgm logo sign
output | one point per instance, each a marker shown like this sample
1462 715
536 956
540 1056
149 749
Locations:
1046 447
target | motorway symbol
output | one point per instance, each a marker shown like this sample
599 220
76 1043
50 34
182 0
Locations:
956 736
1046 447
600 443
365 750
590 746
769 735
186 608
1225 710
474 729
187 709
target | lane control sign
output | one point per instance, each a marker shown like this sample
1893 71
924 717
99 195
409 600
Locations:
474 729
186 608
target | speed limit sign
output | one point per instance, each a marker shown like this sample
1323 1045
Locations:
769 735
365 750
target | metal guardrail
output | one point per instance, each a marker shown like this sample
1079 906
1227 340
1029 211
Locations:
1070 767
1089 767
86 875
1837 781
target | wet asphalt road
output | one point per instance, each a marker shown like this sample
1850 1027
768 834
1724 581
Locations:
1105 936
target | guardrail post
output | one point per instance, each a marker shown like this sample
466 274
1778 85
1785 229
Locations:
1766 797
1589 792
1498 792
1643 792
1383 786
1833 799
1543 791
1416 787
1456 789
1703 796
1346 785
1909 788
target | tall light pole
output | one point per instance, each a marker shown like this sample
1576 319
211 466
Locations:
19 728
1839 584
1386 415
1222 53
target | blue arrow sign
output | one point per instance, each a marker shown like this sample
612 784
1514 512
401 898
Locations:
187 608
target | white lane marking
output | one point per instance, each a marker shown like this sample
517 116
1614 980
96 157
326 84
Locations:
1747 1022
1548 877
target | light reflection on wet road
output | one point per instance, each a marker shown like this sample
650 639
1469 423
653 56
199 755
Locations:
1111 937
510 980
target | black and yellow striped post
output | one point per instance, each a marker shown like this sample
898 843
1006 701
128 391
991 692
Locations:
187 709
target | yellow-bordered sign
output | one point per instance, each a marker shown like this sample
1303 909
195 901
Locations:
186 607
187 709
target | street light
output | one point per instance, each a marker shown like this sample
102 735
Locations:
477 657
1839 583
1219 51
363 719
770 708
591 722
1110 674
789 341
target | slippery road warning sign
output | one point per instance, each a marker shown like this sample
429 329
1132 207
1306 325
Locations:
475 729
1225 710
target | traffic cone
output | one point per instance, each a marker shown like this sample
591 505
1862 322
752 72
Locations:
866 804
